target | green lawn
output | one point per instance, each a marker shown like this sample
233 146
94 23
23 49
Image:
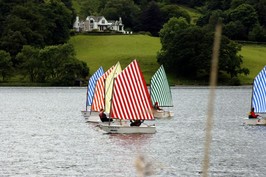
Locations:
254 59
106 50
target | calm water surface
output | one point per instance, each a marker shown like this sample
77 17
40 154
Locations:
43 134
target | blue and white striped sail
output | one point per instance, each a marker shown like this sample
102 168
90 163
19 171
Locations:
159 89
91 85
258 101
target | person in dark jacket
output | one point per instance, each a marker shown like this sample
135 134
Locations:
136 123
103 116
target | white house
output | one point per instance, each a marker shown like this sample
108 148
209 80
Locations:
98 23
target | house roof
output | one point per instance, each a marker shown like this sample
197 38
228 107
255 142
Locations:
95 18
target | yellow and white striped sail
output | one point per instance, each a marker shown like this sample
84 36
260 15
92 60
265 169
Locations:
109 86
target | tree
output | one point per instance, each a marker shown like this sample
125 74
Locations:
52 64
246 14
151 19
235 30
169 11
6 68
230 60
258 33
126 9
221 4
22 26
57 19
187 51
30 62
72 71
170 29
261 10
34 23
89 7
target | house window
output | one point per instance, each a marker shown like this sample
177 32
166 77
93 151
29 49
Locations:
91 21
103 21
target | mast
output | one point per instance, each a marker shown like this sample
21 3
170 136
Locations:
87 97
252 95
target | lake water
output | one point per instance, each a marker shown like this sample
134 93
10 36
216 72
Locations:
43 134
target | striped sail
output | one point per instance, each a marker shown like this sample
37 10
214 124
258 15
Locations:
99 93
258 100
160 90
91 85
131 99
109 86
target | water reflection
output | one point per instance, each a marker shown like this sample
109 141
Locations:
129 140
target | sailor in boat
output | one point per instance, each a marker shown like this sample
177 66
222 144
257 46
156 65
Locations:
136 123
156 106
103 116
252 114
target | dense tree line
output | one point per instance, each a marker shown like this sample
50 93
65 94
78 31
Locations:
53 64
37 25
137 15
242 19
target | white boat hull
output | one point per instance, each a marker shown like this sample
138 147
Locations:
85 113
255 121
93 119
162 114
89 113
126 129
91 116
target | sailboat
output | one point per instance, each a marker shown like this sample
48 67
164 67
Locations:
90 91
258 99
98 97
161 93
130 101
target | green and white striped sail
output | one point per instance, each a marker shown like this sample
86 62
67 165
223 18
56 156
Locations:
109 86
159 89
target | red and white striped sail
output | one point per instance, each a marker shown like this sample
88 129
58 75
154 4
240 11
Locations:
131 99
99 93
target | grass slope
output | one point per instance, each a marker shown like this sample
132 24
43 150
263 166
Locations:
99 50
254 59
107 50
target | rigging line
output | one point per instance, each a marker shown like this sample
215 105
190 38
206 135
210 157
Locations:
213 83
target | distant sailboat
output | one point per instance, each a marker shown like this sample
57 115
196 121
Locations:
161 93
98 97
258 99
90 91
130 101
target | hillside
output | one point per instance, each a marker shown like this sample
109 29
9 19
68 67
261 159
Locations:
105 51
254 58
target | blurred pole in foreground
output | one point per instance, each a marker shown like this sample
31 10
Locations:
213 83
